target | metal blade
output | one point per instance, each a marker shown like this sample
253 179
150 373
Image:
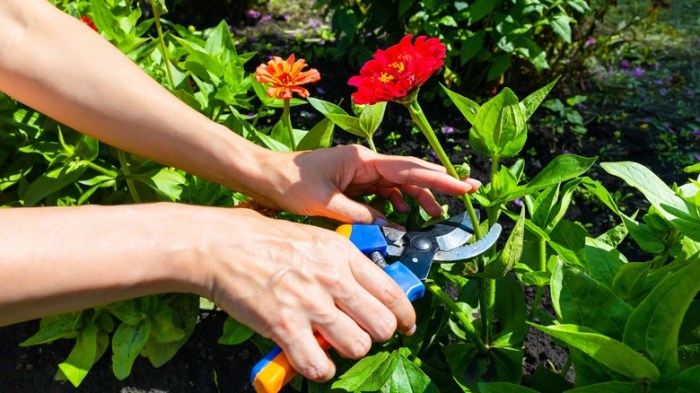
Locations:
462 230
470 250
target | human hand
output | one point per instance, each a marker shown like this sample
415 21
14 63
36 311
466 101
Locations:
323 182
286 280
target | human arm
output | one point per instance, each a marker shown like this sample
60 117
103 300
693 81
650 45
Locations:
59 259
57 65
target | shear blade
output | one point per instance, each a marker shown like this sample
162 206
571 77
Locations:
462 230
469 251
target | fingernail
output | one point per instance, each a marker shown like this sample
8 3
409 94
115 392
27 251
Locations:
381 221
411 331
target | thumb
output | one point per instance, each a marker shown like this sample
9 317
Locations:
344 209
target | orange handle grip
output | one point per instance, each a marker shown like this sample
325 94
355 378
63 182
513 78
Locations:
274 371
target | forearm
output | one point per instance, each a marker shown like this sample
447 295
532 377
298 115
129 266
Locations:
55 64
59 259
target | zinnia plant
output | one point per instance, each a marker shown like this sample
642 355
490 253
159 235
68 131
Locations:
286 77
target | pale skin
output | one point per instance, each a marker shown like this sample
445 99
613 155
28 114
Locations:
248 264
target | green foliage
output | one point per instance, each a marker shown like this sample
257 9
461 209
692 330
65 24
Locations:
484 37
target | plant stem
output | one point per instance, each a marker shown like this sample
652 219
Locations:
370 142
287 119
422 122
536 303
163 48
127 176
487 287
100 169
461 316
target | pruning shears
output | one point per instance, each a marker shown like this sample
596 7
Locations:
405 256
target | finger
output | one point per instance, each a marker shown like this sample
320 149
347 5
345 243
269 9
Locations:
425 198
307 357
408 171
344 209
385 294
475 184
395 196
346 336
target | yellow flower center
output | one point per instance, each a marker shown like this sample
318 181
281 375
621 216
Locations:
386 78
398 66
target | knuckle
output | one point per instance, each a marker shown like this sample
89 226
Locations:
316 372
386 327
361 347
391 293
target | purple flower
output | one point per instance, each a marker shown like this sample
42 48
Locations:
690 92
518 202
647 119
638 71
697 157
589 42
252 14
696 133
447 130
625 64
320 90
266 18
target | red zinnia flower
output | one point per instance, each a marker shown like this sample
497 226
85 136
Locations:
89 22
395 72
286 77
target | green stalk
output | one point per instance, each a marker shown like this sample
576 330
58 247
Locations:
422 122
127 176
487 288
287 119
163 48
100 169
540 290
370 142
461 316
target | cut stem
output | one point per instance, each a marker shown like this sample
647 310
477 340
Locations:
287 119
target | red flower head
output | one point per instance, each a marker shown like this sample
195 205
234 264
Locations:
395 72
286 77
89 22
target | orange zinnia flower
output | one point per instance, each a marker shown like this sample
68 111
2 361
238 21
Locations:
286 77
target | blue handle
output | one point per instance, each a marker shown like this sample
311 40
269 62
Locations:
411 285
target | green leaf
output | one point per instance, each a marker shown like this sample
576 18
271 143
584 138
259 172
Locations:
186 312
654 325
679 213
235 332
53 328
685 382
602 261
580 300
166 181
627 282
560 24
503 387
369 374
163 329
560 169
607 351
466 106
499 128
127 343
408 378
82 356
530 103
338 116
52 181
512 251
371 117
321 135
611 387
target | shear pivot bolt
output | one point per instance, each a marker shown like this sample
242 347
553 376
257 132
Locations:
421 243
